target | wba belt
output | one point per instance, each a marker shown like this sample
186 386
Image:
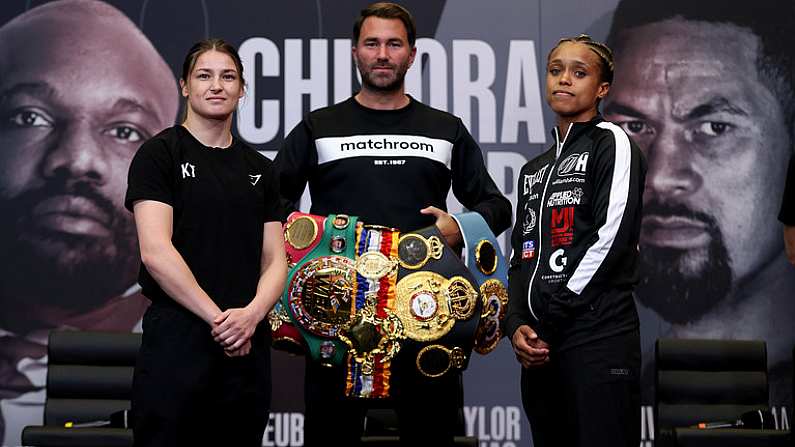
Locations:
361 295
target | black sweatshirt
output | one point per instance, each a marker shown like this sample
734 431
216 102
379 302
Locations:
575 241
386 165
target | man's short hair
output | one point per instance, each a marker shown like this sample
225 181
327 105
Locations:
772 21
386 10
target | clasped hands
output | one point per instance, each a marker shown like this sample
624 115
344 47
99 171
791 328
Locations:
530 350
233 329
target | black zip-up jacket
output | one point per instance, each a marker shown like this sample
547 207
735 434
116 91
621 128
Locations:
575 240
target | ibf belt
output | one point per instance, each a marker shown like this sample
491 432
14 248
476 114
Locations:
483 257
319 296
373 337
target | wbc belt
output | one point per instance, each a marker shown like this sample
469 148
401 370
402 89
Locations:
302 233
318 295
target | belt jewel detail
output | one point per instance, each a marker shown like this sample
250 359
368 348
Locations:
341 221
414 250
455 358
462 296
495 299
486 257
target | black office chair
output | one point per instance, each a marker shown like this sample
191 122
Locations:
89 377
710 380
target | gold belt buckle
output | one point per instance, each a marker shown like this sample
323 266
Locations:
455 359
421 305
374 265
320 294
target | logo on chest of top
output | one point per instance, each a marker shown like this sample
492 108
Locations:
574 164
562 226
188 170
381 146
534 178
529 221
566 198
254 178
558 261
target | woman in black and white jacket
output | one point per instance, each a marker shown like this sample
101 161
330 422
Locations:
571 314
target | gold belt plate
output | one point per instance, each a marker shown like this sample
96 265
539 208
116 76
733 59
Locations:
301 232
374 265
422 306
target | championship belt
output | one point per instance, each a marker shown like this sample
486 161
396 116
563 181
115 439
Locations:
373 337
437 302
302 233
483 257
364 295
319 290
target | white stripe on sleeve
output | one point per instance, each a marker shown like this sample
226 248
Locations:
617 204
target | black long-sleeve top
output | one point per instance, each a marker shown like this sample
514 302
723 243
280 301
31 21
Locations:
386 165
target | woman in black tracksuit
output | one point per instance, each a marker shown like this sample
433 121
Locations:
207 210
571 314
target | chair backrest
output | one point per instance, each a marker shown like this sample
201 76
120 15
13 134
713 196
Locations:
89 375
707 380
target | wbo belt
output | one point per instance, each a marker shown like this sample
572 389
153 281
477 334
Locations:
484 258
362 295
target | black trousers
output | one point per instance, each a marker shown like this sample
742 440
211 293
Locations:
187 392
588 395
429 409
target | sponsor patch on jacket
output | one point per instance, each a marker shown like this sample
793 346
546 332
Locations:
529 221
574 164
528 249
566 198
562 226
533 179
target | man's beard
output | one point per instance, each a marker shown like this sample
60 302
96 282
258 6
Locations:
369 79
46 268
684 285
